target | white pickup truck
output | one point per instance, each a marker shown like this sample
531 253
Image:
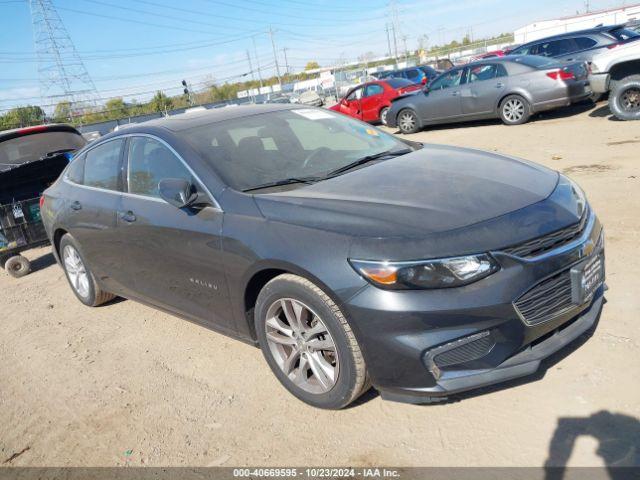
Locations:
617 71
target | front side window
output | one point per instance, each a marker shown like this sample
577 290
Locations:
298 143
149 162
450 79
355 94
102 165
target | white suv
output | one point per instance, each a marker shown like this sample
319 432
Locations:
617 71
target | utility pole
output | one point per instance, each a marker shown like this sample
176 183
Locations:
253 77
255 52
275 56
286 62
386 28
406 52
395 42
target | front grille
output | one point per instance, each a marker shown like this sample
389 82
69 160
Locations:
540 245
547 300
466 353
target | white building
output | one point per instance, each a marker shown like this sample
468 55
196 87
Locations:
547 28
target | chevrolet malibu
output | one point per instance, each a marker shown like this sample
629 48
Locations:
350 257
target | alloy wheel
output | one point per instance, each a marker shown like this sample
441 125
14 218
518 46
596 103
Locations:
407 121
513 110
630 99
76 271
383 116
301 345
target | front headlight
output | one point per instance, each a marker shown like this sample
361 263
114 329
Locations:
426 274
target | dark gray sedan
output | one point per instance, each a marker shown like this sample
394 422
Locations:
510 88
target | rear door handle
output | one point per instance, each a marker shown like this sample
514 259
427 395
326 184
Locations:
128 217
76 205
455 94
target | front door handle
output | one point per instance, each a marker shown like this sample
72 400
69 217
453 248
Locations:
499 85
76 205
128 216
455 94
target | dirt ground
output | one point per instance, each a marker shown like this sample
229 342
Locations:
127 385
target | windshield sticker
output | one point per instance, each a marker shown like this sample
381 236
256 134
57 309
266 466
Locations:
373 132
312 114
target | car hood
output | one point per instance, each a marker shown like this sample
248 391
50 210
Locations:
426 193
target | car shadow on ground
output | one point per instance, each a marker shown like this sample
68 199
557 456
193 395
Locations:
618 438
42 262
604 111
559 113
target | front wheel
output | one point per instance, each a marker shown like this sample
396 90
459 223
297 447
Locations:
79 275
624 101
408 121
514 110
308 343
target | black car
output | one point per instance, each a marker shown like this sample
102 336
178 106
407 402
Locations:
580 45
352 258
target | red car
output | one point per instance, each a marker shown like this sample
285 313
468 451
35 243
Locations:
493 54
371 101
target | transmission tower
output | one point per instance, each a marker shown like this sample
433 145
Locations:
61 73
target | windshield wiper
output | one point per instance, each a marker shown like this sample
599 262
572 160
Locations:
367 159
285 181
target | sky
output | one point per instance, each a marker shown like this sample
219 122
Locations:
132 48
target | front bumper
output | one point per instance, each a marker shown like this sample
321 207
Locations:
401 331
599 82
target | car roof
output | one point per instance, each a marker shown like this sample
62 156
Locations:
180 122
587 31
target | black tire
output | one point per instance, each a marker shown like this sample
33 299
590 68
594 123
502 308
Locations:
351 381
17 266
514 110
407 121
94 295
624 100
383 115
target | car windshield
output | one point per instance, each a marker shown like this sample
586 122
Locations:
622 34
28 148
286 145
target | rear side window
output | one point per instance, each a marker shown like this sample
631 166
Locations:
102 165
536 62
149 162
556 48
412 74
584 42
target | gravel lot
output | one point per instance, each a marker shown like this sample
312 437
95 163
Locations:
126 385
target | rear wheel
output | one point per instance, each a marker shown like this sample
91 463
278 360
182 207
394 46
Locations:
408 121
79 275
383 115
514 110
17 266
624 101
308 343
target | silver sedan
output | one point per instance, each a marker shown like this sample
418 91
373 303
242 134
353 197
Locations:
510 88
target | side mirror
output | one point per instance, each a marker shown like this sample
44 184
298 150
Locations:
425 89
177 192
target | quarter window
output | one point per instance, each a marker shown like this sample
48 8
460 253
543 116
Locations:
149 162
75 171
102 165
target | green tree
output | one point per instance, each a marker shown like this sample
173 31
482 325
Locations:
22 117
62 113
160 102
116 108
312 65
